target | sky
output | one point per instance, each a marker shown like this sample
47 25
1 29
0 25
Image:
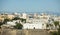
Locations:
52 6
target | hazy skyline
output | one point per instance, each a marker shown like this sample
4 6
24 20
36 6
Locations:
30 6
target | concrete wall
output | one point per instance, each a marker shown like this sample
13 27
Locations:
24 32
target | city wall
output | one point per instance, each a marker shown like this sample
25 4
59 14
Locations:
24 32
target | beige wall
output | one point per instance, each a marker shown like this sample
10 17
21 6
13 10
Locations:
2 17
10 16
24 32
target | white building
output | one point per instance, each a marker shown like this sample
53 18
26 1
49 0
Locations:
24 15
35 23
39 23
34 26
11 23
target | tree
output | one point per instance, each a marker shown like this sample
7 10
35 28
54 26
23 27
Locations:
56 23
54 33
16 18
18 26
5 21
23 20
49 26
59 30
1 24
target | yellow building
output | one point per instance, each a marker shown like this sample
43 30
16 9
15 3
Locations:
10 17
2 17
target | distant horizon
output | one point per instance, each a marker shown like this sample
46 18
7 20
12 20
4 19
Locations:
52 6
52 13
30 6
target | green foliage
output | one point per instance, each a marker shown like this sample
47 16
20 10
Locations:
18 26
47 25
54 33
16 18
22 20
50 24
56 23
5 21
59 31
1 23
